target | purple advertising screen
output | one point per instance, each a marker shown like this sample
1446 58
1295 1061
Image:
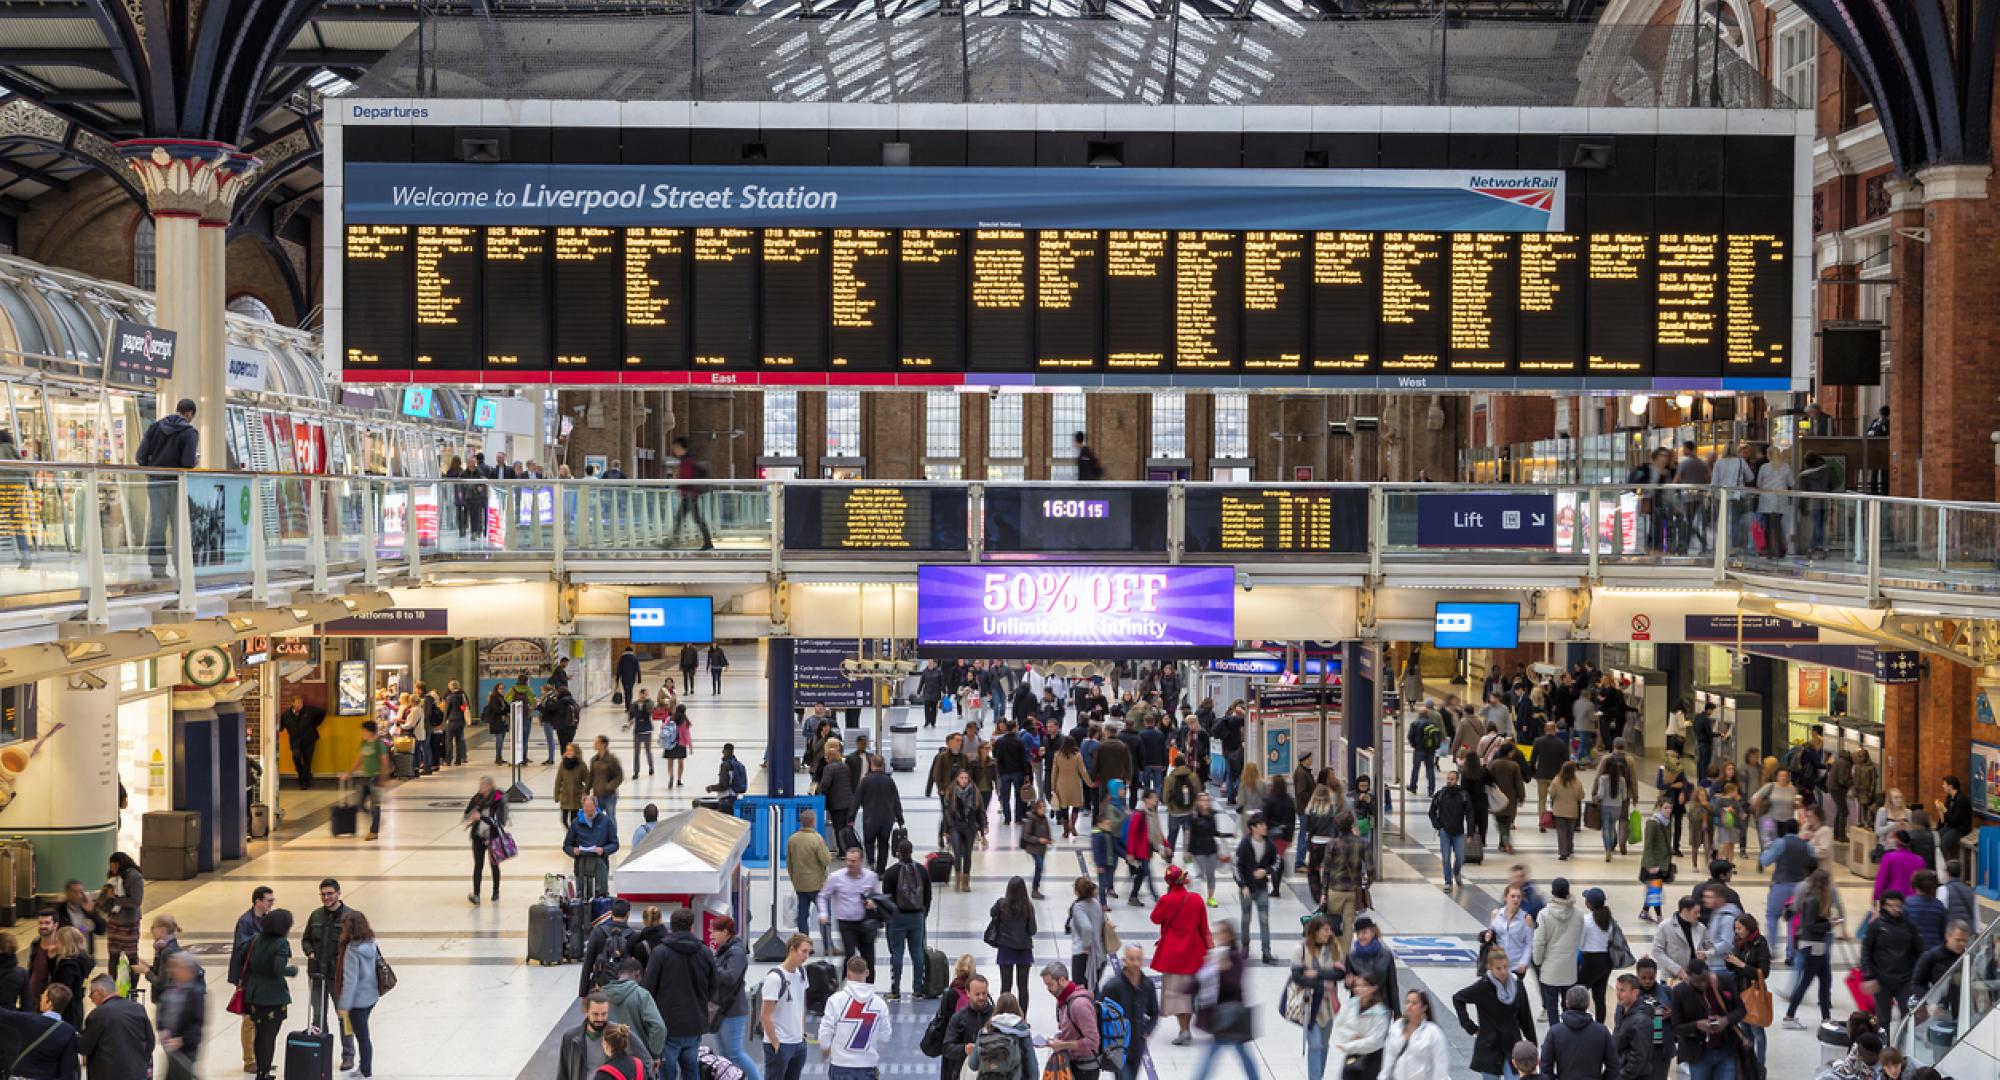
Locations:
1041 611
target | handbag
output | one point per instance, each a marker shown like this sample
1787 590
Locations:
1757 1005
946 705
1548 820
500 847
1057 1068
1620 952
1295 1004
385 976
1112 943
1856 985
1593 816
1497 801
992 935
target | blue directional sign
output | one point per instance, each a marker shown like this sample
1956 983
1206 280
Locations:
1463 520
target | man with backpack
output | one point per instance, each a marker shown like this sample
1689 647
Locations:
1451 816
909 886
781 1012
1425 738
731 780
1128 1008
1182 788
634 1007
960 1029
609 944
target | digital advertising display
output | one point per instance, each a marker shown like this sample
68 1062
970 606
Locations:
671 620
1477 626
1046 611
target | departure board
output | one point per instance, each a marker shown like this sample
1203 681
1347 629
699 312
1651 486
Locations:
516 278
794 299
378 296
1138 301
901 518
1757 306
1069 277
1345 301
1550 312
448 295
1484 278
999 327
1274 301
864 300
931 299
656 322
1414 295
725 286
1478 305
1208 300
1275 520
1688 294
588 288
1619 305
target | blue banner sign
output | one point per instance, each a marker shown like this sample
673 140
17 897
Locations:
1724 629
1460 520
1442 200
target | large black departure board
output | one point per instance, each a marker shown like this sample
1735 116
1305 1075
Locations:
931 295
1138 278
448 297
794 299
656 299
1069 282
898 518
1275 520
1274 300
999 325
379 298
516 278
725 289
527 299
589 296
1208 300
863 302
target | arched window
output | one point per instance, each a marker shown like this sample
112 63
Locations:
144 261
246 304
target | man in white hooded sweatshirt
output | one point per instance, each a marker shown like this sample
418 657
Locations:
854 1027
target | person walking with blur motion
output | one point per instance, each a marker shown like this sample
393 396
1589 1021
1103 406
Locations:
485 821
1230 1018
1256 866
1185 941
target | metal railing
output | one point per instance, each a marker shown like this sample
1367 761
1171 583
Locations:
103 532
1954 1007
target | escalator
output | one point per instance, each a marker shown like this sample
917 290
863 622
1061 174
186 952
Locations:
1953 1027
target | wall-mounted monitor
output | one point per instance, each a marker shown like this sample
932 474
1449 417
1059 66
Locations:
671 620
1477 626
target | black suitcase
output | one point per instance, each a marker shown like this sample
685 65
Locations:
939 865
821 981
576 935
346 817
546 934
937 974
309 1055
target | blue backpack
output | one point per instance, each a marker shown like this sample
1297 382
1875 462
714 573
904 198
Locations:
739 777
1114 1034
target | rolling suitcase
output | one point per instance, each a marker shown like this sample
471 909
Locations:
576 930
344 817
821 980
1475 849
405 765
309 1053
260 821
546 934
939 865
937 974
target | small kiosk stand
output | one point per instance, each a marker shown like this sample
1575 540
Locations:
694 860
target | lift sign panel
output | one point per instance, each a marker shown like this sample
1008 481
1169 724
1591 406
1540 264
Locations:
1047 610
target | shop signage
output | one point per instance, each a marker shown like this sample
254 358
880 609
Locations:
351 685
206 667
817 678
393 622
1486 521
1726 629
1094 610
139 351
246 367
258 650
1297 697
1984 789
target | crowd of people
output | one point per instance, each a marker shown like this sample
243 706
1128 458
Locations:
1763 514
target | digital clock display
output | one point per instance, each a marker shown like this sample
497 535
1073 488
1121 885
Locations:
1091 509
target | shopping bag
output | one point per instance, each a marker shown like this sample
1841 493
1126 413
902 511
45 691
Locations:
1863 1000
946 705
1548 820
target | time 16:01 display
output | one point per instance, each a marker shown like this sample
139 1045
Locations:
1076 508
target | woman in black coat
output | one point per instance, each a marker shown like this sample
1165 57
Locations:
495 714
1010 929
836 785
1500 1022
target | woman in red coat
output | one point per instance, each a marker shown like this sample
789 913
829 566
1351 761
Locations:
1184 943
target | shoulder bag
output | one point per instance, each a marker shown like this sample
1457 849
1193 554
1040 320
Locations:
1112 943
1757 1004
1621 950
385 976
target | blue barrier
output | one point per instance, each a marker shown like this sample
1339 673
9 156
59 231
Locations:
751 808
1986 870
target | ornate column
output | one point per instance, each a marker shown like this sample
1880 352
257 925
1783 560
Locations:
191 187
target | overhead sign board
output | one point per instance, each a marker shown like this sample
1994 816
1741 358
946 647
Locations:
1077 610
139 351
1473 520
393 622
1763 629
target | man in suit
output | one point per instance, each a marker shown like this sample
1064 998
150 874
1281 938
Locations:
117 1040
300 723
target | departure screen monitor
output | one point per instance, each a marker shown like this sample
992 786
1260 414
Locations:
1477 626
671 620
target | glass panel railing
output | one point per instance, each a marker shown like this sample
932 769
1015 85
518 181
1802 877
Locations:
1955 1004
41 532
346 517
219 525
627 519
1802 534
1971 549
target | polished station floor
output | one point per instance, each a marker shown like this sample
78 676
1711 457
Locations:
468 1005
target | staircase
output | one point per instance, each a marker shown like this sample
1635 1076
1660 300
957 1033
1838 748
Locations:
1953 1027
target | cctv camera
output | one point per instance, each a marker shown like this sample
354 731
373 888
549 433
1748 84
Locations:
1243 581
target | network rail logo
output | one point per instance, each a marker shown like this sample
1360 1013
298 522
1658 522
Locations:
1535 192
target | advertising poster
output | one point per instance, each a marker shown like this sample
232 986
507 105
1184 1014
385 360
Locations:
1984 789
1277 747
1812 689
1050 610
351 688
219 522
503 660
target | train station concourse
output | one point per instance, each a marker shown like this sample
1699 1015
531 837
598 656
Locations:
987 538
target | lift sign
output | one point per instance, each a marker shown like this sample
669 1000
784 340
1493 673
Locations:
1077 607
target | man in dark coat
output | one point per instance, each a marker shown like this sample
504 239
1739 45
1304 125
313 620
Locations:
300 723
680 974
930 690
1011 766
881 814
1114 762
1706 1007
117 1039
1578 1046
173 442
961 1032
628 672
1632 1042
1132 989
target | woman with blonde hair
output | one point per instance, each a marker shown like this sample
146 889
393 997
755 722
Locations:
69 966
1250 785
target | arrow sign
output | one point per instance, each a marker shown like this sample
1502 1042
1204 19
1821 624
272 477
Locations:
1473 520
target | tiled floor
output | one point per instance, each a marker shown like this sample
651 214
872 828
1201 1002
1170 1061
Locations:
469 1006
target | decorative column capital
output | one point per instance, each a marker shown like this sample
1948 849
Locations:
1950 182
188 177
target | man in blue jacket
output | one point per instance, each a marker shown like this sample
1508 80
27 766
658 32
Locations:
590 841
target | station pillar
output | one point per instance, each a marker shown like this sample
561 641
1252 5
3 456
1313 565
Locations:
191 187
62 783
781 729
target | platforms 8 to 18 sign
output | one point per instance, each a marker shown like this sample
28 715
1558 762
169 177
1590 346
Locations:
1040 611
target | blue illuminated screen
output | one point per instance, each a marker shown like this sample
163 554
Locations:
1477 626
671 620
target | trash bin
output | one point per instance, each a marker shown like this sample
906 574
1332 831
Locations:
903 743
